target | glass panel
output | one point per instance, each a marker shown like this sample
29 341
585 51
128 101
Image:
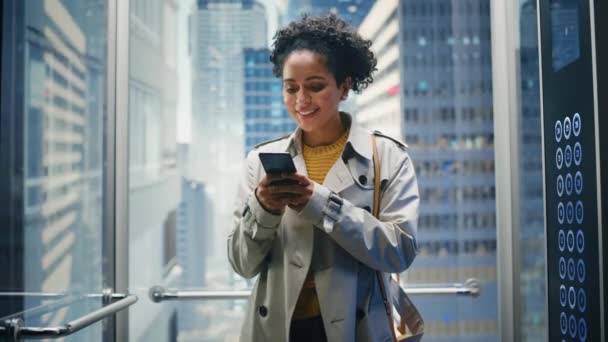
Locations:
53 115
202 95
433 88
158 97
532 317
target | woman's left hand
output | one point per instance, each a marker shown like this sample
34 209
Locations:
298 200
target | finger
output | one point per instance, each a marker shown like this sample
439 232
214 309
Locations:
297 190
298 201
269 178
300 178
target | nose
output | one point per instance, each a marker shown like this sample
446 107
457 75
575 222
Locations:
302 97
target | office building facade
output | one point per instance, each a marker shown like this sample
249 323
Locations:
352 11
433 89
265 115
378 105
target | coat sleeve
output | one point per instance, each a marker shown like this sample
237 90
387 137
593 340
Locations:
253 228
387 244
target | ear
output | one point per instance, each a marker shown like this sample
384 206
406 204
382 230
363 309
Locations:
346 86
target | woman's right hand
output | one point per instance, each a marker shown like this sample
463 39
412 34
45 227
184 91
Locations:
274 198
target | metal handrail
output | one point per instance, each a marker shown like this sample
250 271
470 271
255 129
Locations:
159 293
41 295
62 300
15 330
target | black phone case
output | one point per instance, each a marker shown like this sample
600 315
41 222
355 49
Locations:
277 163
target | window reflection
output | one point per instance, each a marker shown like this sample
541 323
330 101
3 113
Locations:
59 85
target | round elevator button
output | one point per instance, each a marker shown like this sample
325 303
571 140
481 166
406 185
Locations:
558 130
576 124
567 128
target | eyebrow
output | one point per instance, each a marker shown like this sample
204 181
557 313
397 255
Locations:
308 79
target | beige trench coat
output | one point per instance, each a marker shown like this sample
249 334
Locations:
343 244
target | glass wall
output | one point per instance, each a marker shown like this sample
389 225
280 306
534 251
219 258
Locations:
434 90
532 286
200 95
54 109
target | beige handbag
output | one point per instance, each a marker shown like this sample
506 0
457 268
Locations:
409 315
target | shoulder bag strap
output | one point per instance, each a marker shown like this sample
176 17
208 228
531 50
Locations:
375 212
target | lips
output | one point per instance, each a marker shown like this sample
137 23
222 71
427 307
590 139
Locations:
308 112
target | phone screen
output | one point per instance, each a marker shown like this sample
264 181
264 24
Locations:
276 164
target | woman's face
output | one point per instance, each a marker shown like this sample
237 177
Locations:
310 92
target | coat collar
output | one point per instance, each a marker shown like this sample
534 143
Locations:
358 140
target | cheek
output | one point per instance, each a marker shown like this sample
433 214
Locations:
328 99
289 100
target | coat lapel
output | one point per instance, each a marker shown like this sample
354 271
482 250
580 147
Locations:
338 178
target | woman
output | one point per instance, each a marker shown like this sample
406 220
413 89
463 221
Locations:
315 245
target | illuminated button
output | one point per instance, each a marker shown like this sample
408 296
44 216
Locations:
563 323
580 212
572 297
578 182
560 185
568 155
562 268
563 296
576 124
561 240
567 128
580 241
578 153
572 326
570 241
560 212
571 269
558 131
559 158
570 212
582 330
569 184
580 271
582 300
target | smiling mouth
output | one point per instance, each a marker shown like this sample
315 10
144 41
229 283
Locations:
310 112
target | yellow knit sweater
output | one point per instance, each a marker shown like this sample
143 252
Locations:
318 162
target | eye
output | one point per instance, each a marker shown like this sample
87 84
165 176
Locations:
291 90
317 87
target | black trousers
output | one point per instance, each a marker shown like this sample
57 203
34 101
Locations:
307 330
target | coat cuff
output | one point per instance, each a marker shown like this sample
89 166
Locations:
267 223
320 210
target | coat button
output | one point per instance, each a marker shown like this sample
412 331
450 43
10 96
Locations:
362 179
263 311
360 314
383 184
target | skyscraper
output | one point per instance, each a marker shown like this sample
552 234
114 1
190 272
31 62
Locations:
378 105
154 180
445 90
192 245
352 11
265 115
221 31
62 153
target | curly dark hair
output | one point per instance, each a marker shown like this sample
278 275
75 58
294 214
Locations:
346 52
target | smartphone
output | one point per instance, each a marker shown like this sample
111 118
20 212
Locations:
276 164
